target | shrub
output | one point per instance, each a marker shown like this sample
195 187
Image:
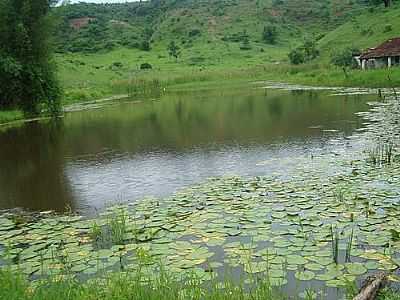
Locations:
270 34
305 53
145 46
146 66
388 28
117 64
245 45
296 56
194 32
345 58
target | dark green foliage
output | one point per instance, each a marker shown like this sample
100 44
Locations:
305 53
27 74
245 44
174 50
194 32
345 58
296 56
145 46
386 3
388 28
146 66
237 37
270 34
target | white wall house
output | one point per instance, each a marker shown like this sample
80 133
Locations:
386 55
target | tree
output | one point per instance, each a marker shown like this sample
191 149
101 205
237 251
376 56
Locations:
174 50
310 49
387 3
296 56
304 53
145 46
270 34
345 59
26 69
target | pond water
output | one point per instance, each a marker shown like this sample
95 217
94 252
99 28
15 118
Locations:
128 150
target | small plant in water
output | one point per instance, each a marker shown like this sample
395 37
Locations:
118 226
335 244
96 233
349 246
340 195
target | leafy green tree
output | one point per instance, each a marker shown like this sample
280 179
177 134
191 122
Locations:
26 69
305 53
296 56
270 34
310 49
345 58
174 50
387 3
145 46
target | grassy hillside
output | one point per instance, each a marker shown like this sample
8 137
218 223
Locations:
191 22
216 38
370 29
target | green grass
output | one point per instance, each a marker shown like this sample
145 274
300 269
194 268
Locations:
389 294
10 115
130 286
369 29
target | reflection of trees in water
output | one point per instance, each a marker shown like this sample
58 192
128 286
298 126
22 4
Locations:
32 168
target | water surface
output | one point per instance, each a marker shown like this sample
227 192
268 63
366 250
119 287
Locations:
129 150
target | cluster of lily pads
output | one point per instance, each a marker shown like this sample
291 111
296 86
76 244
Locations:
331 229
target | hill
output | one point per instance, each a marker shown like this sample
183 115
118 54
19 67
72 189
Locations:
148 24
101 47
369 29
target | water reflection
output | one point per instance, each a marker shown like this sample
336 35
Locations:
128 150
32 168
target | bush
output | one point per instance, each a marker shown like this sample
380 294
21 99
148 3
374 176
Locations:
345 58
388 28
145 46
270 34
146 66
194 32
245 45
117 64
305 53
296 56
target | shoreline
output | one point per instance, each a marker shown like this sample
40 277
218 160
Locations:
197 86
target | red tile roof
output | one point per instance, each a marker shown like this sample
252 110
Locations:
389 48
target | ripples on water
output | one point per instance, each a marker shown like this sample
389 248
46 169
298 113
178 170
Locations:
129 151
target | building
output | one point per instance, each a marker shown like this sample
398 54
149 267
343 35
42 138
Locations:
385 55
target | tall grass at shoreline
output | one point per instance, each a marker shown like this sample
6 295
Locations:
132 286
309 74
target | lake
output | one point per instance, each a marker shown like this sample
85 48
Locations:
128 150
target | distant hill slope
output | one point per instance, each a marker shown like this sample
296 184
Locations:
364 31
150 24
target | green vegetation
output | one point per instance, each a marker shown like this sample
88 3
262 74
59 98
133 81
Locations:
27 75
131 285
103 49
10 115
